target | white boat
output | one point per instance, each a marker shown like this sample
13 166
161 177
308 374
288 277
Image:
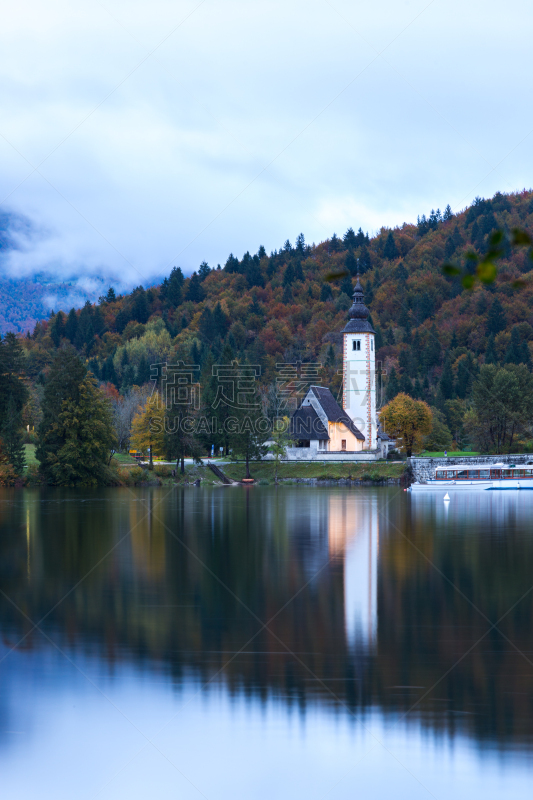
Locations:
477 478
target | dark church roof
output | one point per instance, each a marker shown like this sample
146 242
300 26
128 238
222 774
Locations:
359 313
333 411
306 424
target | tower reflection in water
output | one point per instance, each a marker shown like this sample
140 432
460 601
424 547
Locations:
353 530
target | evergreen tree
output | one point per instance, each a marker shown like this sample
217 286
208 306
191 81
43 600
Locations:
110 296
401 273
298 271
143 371
196 356
85 428
287 295
140 310
171 290
11 374
288 276
220 321
446 381
93 367
350 239
454 343
71 326
207 326
390 250
122 318
195 292
204 270
232 264
57 328
390 337
351 263
448 213
108 373
405 362
392 385
99 326
418 393
330 357
464 377
496 319
404 319
449 248
426 306
405 385
253 273
62 386
85 332
11 437
365 262
300 243
325 293
335 244
128 378
426 390
347 287
518 351
490 352
432 350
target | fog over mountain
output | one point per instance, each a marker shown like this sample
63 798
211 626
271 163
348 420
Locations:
137 137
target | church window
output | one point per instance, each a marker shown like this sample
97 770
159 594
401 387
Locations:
356 344
343 444
371 344
322 444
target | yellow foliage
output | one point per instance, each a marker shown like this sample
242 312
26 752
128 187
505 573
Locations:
148 426
407 421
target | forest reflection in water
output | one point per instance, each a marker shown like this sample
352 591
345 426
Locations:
361 600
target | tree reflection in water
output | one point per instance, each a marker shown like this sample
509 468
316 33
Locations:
372 597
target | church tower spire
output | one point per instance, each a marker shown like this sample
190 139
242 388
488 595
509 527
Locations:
359 368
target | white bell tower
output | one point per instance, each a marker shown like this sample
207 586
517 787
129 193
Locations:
359 369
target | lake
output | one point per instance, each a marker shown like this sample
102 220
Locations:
291 642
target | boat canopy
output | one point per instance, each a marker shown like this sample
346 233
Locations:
472 467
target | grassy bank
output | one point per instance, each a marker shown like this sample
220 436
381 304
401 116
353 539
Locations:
265 470
130 473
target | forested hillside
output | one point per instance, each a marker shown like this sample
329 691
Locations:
432 335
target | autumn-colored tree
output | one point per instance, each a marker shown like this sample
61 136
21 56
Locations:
407 421
148 427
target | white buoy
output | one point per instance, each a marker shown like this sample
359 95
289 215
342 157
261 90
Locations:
446 496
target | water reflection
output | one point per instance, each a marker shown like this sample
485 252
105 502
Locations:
354 538
378 604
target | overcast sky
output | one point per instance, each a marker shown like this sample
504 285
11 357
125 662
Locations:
136 136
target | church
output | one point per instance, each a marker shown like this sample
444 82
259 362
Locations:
320 428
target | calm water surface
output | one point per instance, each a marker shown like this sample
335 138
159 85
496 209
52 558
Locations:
262 643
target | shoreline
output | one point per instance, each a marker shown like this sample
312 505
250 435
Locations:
263 472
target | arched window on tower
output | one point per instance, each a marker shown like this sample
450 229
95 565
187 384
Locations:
356 344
